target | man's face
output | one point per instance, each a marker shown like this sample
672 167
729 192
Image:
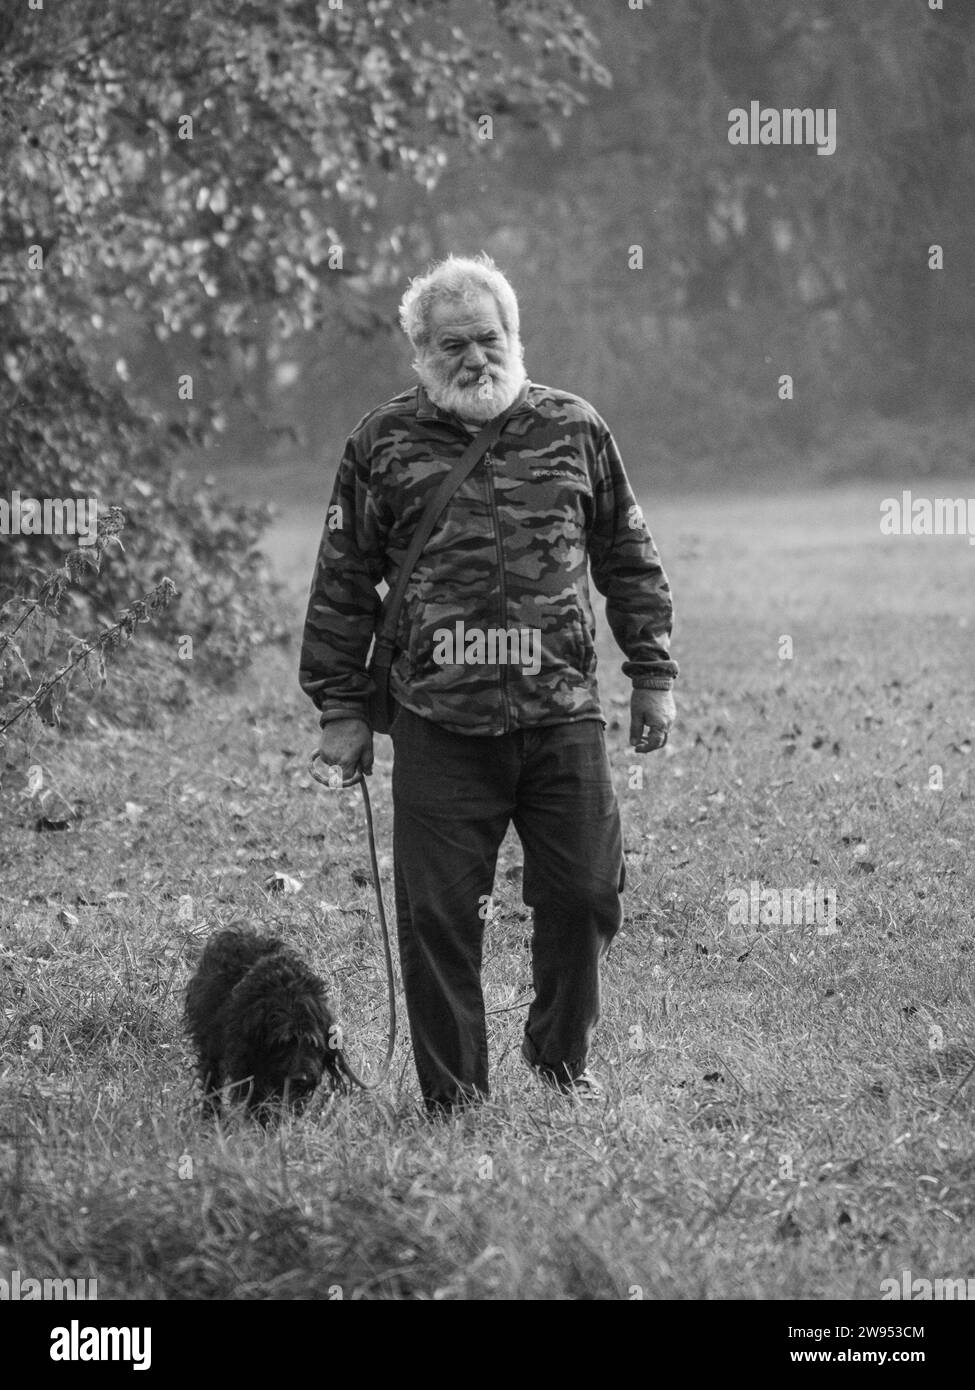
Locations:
471 366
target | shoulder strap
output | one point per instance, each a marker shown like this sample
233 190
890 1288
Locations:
464 466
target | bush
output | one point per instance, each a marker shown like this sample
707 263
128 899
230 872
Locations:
66 436
40 657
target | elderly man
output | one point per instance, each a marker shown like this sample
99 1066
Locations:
488 731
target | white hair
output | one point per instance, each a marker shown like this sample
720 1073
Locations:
461 278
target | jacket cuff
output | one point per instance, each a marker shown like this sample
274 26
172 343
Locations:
653 683
651 669
330 715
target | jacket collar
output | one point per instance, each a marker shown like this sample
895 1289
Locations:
426 410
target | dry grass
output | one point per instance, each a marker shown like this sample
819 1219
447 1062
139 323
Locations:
734 1056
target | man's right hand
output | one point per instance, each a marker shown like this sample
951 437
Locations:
348 743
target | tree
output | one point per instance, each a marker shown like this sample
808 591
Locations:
202 170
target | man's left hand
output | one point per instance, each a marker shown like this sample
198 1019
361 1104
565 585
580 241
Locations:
652 712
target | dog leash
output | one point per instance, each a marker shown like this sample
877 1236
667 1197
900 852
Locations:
387 951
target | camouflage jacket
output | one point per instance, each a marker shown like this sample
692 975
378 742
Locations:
496 631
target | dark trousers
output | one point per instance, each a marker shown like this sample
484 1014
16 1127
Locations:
453 798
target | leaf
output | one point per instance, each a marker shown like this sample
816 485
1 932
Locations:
283 883
789 1228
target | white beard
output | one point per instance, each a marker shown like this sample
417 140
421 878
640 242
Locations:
477 400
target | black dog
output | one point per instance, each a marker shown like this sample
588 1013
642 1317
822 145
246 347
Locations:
260 1020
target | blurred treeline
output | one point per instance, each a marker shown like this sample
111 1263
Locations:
757 261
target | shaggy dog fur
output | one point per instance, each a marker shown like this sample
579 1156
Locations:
260 1021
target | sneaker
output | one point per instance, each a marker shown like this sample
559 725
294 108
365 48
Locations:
584 1086
464 1103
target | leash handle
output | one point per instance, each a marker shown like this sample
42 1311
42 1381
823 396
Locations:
359 780
330 781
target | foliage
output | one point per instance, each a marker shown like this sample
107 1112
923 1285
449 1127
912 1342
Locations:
40 656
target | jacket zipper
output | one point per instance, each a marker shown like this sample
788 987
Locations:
502 587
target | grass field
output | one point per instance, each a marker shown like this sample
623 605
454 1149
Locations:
788 1111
